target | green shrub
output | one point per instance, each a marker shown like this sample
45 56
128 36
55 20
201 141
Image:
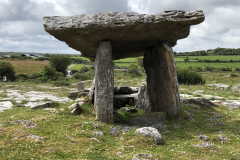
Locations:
61 82
233 75
6 69
22 77
49 72
81 77
60 62
133 71
84 69
189 77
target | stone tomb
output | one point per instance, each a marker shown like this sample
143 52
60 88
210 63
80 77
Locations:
109 36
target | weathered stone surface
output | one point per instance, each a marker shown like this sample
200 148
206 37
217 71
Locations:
142 100
75 95
104 83
125 90
130 33
150 132
5 105
76 109
115 130
47 104
200 102
162 84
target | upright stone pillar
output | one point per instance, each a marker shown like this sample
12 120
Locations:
162 84
104 83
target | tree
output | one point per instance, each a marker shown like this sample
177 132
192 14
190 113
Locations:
60 62
6 69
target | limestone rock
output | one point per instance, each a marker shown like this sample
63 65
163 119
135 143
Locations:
5 105
142 100
47 104
150 132
200 102
145 157
130 33
98 133
202 137
76 109
75 95
205 144
115 130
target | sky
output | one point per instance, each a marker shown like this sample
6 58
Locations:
21 22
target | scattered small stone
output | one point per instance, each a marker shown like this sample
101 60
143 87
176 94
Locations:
150 132
183 152
61 109
115 130
191 119
118 153
189 113
219 124
212 119
98 133
1 125
1 129
96 125
222 138
27 123
36 138
144 157
95 139
205 144
202 137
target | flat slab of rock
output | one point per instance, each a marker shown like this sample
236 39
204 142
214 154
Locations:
130 33
5 105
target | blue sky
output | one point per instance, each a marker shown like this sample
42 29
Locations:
21 28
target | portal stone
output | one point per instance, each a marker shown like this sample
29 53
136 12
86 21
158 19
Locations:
162 84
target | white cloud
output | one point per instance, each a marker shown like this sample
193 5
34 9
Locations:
21 27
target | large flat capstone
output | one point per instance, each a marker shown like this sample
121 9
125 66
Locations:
130 33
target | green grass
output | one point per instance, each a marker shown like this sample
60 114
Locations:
127 60
219 57
204 64
76 67
84 58
69 137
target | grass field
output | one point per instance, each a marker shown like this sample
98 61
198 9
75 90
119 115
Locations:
219 57
28 66
204 64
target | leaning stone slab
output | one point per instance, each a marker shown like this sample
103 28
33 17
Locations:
150 132
130 33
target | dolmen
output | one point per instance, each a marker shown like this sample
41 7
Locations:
109 36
